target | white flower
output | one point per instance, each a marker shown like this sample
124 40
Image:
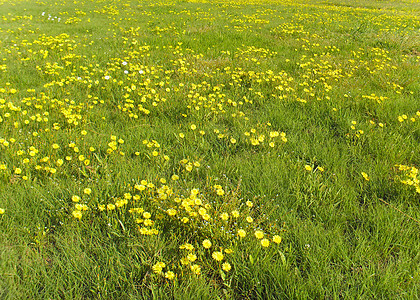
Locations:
107 77
141 72
125 72
124 63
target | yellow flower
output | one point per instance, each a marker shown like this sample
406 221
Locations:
184 220
110 206
226 266
206 244
170 275
175 177
217 255
249 219
196 269
191 257
157 268
75 198
241 233
235 214
365 176
249 204
277 239
171 212
308 168
18 171
265 242
77 214
187 246
259 234
2 211
140 187
184 261
224 216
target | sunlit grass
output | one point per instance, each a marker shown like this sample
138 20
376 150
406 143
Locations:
209 149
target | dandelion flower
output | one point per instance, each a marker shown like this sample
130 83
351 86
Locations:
196 269
206 244
191 257
224 216
170 275
259 234
277 239
75 198
77 214
265 242
241 233
217 255
226 266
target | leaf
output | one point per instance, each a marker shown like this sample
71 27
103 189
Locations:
283 258
223 275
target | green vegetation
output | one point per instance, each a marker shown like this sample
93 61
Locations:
209 150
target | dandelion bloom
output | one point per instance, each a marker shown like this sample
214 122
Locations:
75 198
277 239
196 269
226 266
265 242
241 233
77 214
170 275
235 214
191 257
224 216
206 244
217 255
259 234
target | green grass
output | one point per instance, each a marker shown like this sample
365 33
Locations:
338 82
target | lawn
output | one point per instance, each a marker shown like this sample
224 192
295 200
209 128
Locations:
209 149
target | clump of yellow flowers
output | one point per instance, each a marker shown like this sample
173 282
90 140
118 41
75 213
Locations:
212 223
410 176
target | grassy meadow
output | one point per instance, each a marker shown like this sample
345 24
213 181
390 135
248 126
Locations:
209 149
